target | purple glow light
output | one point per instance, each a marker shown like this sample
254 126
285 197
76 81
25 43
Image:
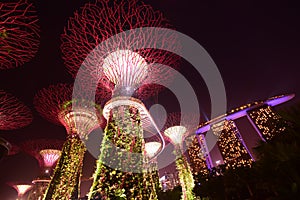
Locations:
238 113
274 101
203 129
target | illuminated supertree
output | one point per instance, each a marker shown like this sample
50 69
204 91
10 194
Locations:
55 103
178 127
21 188
47 152
118 63
151 175
13 113
19 33
127 71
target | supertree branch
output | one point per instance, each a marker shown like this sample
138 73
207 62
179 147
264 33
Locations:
19 33
13 113
118 62
46 151
7 148
55 103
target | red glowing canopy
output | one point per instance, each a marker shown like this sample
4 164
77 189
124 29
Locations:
117 64
19 33
13 113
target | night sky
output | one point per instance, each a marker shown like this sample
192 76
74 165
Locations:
255 45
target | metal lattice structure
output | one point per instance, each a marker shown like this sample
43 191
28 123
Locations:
55 103
46 151
96 22
21 188
13 113
182 126
19 33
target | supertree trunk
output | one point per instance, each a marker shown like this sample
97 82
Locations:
177 135
151 180
185 175
125 132
149 186
64 181
155 179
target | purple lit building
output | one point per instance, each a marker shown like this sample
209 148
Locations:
197 155
224 132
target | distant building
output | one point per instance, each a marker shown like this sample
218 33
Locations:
197 156
266 122
261 115
234 151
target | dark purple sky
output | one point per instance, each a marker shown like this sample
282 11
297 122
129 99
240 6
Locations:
255 45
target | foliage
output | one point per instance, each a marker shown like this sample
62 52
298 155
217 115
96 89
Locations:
185 176
67 171
123 135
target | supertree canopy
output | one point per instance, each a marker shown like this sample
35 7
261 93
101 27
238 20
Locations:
55 103
21 188
90 43
13 113
178 127
151 148
151 176
50 156
46 151
117 62
19 33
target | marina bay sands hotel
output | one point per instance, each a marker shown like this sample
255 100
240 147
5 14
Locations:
221 136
